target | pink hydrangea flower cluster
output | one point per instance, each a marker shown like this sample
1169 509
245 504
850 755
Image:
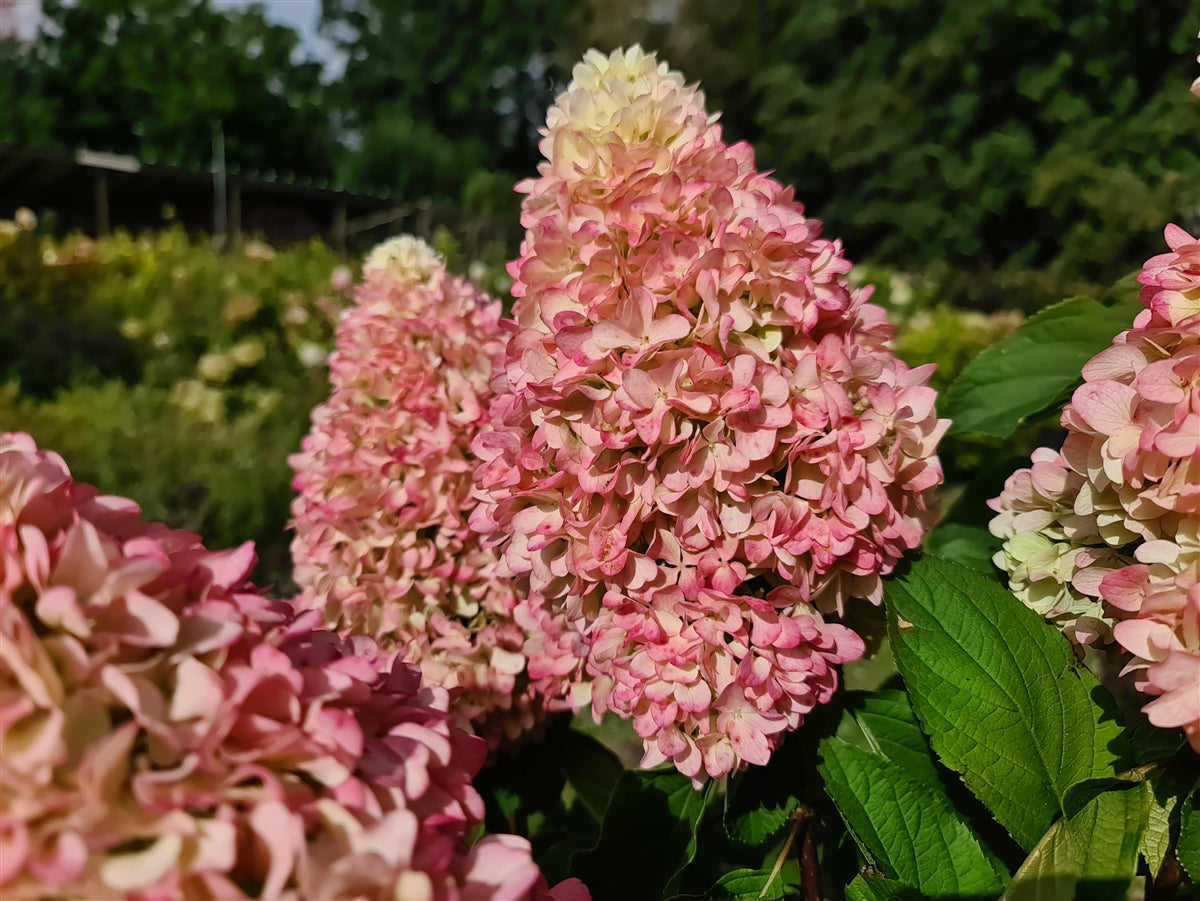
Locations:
1102 538
382 545
701 437
168 732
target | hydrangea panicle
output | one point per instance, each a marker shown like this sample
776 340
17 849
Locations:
701 439
1102 538
170 733
382 543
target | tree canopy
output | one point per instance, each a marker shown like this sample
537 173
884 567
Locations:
154 78
1035 133
1000 133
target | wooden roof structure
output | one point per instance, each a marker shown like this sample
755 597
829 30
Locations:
95 192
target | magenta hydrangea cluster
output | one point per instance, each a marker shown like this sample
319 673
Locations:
701 438
1102 537
170 733
382 545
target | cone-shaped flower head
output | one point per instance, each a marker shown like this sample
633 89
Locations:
701 436
1102 538
169 733
382 544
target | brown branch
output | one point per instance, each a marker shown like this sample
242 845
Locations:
803 820
796 818
1166 885
810 875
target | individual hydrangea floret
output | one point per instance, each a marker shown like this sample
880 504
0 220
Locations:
170 733
382 543
1102 538
701 438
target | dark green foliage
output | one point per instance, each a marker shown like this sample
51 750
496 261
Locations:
154 79
164 372
648 837
986 135
52 333
1000 694
1034 368
1188 849
439 90
891 797
1034 737
1092 853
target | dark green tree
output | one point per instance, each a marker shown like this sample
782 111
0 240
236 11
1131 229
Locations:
153 78
1055 134
433 92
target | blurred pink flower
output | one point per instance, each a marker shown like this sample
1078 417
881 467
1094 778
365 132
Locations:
1110 539
694 410
382 546
342 280
170 733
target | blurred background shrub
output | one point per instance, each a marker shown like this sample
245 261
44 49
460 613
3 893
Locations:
169 373
994 138
979 161
51 332
183 377
175 375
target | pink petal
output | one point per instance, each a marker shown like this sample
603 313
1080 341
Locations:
1105 406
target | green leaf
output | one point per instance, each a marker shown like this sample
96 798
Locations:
577 833
1151 743
1164 798
1033 367
1096 849
648 836
763 883
971 546
891 729
1000 694
1187 849
521 790
689 851
870 887
761 799
907 828
755 825
591 768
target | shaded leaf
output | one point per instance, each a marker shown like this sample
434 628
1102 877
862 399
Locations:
1151 743
971 546
761 799
693 831
891 728
908 829
1156 840
870 887
1187 849
1000 694
1034 367
1092 854
648 836
591 769
745 883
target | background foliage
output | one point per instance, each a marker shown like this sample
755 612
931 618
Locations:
985 138
155 79
992 134
188 376
987 159
183 378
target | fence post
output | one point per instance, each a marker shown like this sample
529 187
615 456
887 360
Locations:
235 212
100 196
338 231
220 196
